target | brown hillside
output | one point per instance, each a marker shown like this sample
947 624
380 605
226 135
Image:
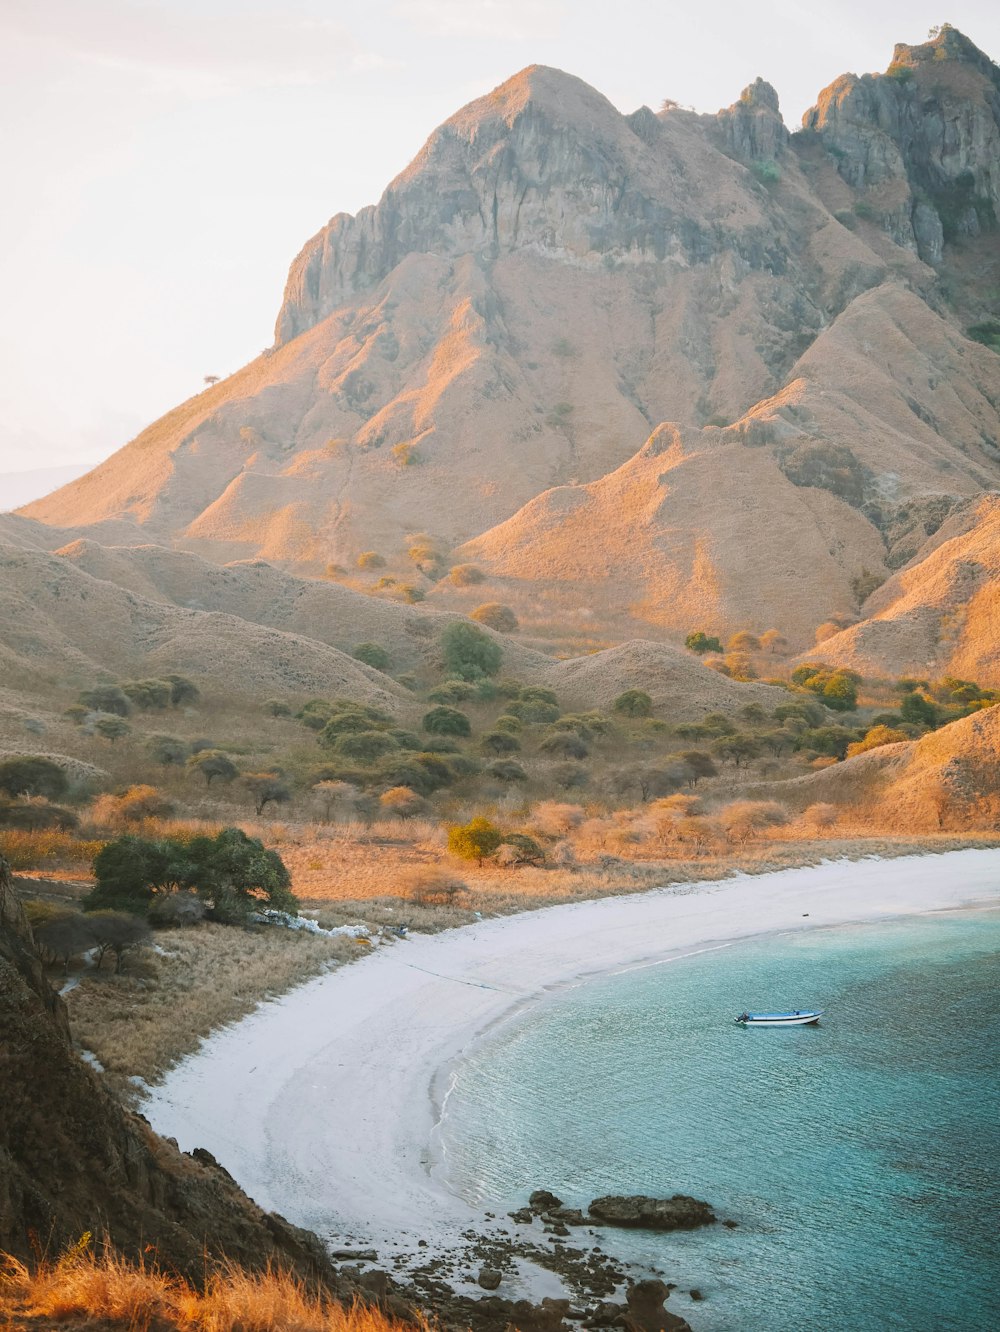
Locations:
949 780
940 615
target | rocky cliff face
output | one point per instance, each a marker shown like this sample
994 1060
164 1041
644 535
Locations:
73 1160
922 140
543 164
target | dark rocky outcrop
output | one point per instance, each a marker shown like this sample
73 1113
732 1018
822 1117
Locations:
641 1213
72 1159
645 1311
923 141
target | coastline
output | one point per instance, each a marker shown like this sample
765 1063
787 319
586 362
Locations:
326 1104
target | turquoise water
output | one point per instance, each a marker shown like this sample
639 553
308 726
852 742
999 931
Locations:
861 1157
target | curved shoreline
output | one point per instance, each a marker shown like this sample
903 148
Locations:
326 1104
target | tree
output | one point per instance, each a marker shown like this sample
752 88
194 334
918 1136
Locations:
446 721
743 641
474 840
700 642
107 698
239 874
33 777
372 655
168 750
277 707
210 380
744 819
62 935
737 749
365 746
434 887
919 709
495 616
34 813
212 763
149 695
267 788
875 738
182 690
112 728
520 849
699 765
331 794
564 745
117 932
470 654
400 802
499 742
135 805
507 770
634 703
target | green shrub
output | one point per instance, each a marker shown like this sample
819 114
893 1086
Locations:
372 655
474 840
700 642
634 703
495 616
470 654
446 721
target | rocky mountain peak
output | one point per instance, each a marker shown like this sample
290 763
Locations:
752 127
921 140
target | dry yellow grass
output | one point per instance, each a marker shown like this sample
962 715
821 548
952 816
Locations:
103 1286
139 1023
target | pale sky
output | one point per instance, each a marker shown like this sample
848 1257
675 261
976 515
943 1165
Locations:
164 160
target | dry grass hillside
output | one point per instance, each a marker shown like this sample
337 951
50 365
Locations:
477 360
940 615
948 779
61 626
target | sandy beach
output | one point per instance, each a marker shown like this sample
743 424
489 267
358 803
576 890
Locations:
326 1104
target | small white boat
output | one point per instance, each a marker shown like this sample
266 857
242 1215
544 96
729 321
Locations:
798 1018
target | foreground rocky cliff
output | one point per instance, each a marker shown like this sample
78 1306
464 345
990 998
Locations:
72 1160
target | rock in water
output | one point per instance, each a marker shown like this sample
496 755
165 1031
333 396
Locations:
641 1213
645 1312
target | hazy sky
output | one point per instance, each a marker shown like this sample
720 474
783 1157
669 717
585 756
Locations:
164 160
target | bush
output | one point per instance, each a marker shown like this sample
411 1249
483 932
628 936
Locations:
466 575
744 819
550 818
496 616
520 849
182 690
371 559
35 814
276 707
470 654
507 770
372 655
875 739
107 698
700 642
634 703
168 750
33 777
400 802
149 695
506 722
564 745
435 887
453 691
474 840
364 746
446 721
569 776
532 710
499 742
918 709
133 806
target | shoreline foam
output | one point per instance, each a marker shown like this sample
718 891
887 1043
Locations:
326 1104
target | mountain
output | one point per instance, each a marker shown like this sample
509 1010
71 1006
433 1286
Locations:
648 372
19 488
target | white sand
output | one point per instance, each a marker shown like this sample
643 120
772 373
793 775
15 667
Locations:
324 1104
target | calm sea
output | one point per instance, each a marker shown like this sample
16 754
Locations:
861 1158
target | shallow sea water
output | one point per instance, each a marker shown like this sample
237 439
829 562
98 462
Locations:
861 1157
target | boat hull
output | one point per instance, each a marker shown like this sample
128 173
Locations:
807 1019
